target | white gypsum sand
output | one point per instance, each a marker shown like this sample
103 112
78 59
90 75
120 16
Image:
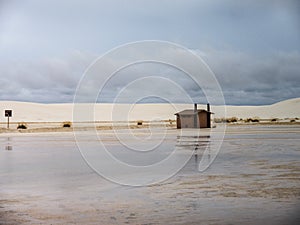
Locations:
35 112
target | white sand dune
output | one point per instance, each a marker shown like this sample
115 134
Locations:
34 112
285 109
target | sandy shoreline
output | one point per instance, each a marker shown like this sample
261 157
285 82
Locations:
50 127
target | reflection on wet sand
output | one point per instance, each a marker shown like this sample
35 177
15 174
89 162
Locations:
198 144
8 145
255 179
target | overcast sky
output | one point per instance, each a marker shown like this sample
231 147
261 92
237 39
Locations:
252 46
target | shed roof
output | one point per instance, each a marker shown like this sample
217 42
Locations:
190 112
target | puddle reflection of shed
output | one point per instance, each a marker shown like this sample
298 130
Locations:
194 118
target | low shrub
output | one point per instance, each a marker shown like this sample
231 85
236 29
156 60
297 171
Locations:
250 120
22 126
219 120
227 120
231 120
67 124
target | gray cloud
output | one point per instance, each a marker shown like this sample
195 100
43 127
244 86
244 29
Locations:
244 78
252 46
48 80
252 79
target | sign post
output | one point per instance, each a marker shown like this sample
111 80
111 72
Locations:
8 113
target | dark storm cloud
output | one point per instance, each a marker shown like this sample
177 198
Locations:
249 79
177 83
49 80
244 78
251 45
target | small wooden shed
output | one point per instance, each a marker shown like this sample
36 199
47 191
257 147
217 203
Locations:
194 118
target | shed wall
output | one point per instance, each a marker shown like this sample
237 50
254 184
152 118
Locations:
203 119
187 121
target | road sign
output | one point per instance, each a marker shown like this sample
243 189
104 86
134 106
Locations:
8 113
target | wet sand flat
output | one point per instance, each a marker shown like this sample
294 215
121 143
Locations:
255 179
